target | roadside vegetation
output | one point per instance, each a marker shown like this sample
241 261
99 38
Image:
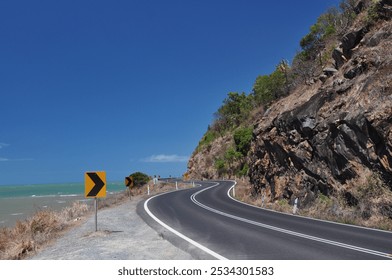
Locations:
369 205
239 110
140 179
31 235
226 143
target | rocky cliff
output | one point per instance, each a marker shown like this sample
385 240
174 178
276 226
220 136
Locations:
332 136
202 163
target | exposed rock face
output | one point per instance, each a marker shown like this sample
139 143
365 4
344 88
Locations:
333 136
201 164
322 137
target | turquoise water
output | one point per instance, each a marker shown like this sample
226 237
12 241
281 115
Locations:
70 189
20 202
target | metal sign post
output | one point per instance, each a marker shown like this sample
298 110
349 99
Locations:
96 214
95 186
129 183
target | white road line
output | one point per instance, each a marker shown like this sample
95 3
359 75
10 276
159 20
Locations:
310 237
194 243
302 217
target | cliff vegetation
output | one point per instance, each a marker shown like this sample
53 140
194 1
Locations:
318 128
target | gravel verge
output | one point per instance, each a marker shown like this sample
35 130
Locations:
122 235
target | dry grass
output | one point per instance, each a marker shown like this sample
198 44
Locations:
113 199
371 192
26 237
244 193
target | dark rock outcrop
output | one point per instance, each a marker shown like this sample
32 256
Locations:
351 40
332 136
339 57
321 138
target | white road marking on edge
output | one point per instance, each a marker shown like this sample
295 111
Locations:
310 237
301 217
198 245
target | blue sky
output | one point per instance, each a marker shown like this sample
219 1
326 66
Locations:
125 86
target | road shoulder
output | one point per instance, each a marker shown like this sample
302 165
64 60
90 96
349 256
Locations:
121 235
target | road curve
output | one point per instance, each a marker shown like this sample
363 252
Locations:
208 219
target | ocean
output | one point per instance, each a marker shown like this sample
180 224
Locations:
18 202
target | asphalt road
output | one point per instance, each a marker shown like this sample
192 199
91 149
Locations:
206 222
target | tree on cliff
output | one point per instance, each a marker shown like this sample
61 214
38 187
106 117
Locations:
235 109
270 87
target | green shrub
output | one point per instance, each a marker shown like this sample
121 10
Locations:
139 179
242 139
373 13
270 87
243 171
323 199
220 166
207 139
235 110
374 187
232 155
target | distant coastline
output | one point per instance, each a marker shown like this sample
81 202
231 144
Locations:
18 202
29 235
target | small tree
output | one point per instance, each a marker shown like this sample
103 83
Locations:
270 87
139 179
235 109
242 139
303 68
261 90
348 12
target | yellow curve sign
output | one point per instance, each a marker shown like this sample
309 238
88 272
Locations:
95 184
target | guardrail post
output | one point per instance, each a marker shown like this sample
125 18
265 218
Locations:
295 206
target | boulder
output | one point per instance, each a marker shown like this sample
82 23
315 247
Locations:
323 78
359 66
379 36
339 57
351 40
329 71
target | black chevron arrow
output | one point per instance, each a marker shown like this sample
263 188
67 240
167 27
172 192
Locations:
98 184
129 181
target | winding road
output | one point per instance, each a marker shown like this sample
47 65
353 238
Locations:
208 219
